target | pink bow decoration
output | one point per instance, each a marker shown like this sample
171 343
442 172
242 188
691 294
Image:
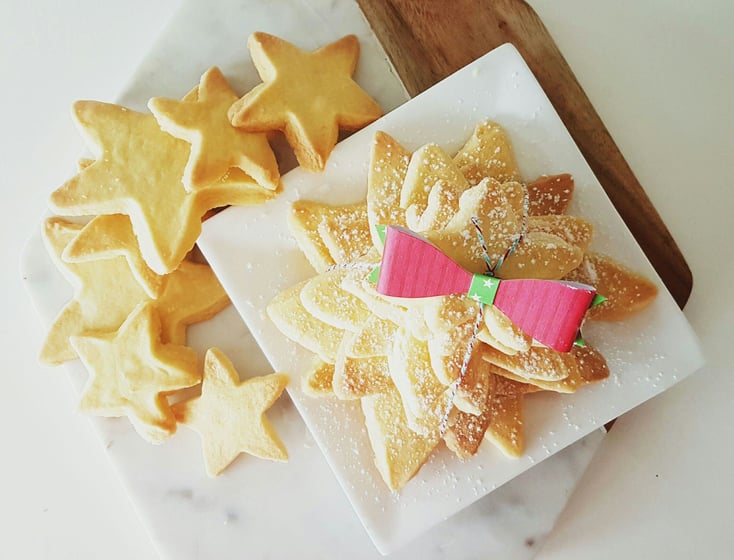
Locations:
550 311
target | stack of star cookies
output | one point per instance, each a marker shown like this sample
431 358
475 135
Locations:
446 368
142 195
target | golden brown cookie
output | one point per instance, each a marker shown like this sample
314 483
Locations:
584 365
387 169
539 362
415 379
131 370
324 298
477 383
229 415
550 194
431 189
487 154
307 95
137 171
318 379
398 451
373 339
505 429
627 291
329 234
345 232
538 254
294 321
499 419
216 146
105 292
498 331
112 236
358 377
573 230
192 294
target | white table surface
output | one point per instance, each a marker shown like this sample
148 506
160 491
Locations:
661 75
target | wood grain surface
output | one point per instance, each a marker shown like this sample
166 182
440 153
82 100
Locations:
427 40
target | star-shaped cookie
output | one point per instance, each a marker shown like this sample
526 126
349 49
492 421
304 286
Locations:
106 290
137 171
308 95
216 145
229 414
131 370
192 294
112 236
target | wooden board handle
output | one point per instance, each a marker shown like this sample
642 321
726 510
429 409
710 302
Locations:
427 40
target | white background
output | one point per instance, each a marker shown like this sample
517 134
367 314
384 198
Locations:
661 75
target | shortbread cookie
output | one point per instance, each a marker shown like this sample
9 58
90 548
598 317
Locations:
431 175
387 170
328 234
444 313
229 415
105 292
465 432
398 451
498 208
324 298
440 205
447 350
192 294
477 383
345 232
487 154
400 311
498 331
303 222
505 429
584 365
216 145
499 420
627 292
374 338
573 230
550 194
307 95
502 385
537 363
130 371
137 171
592 364
112 236
414 378
318 379
292 319
359 377
234 188
538 254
